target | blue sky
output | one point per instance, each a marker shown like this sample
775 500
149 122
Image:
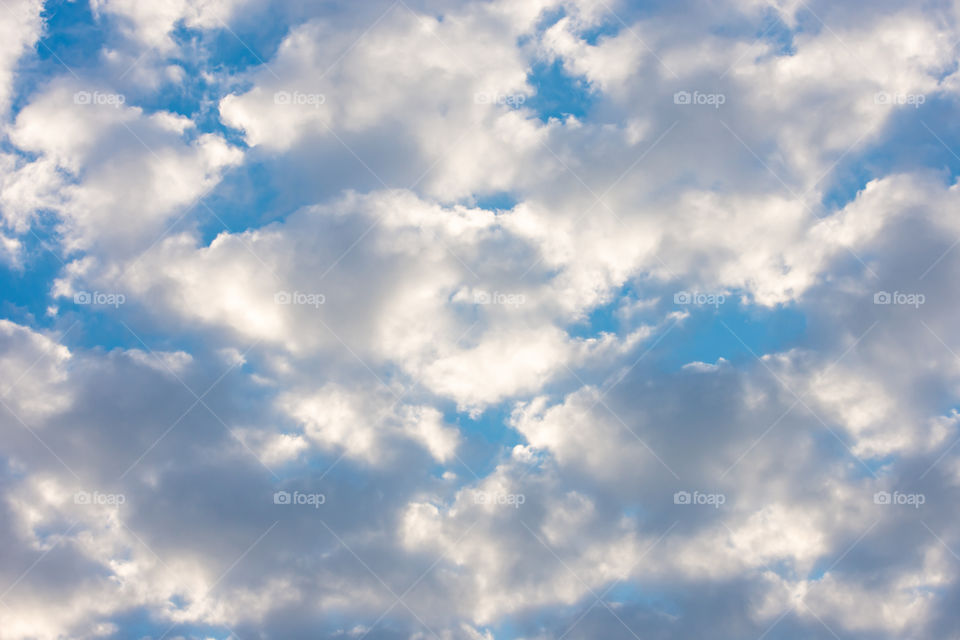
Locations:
497 320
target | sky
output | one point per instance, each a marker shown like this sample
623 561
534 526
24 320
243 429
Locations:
479 320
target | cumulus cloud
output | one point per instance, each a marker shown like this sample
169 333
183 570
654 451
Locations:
554 319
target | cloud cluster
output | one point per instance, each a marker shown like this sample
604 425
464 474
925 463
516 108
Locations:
521 320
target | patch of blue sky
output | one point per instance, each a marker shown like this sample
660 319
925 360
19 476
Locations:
632 11
195 95
775 31
844 185
27 288
533 623
604 318
922 133
834 444
635 511
71 43
770 36
547 19
528 624
269 187
557 94
140 625
497 201
918 136
607 29
28 293
230 52
634 594
102 326
733 331
820 569
709 333
247 197
506 628
488 438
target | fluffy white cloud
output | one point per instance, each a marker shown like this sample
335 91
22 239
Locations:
151 23
33 373
361 423
400 344
20 29
116 176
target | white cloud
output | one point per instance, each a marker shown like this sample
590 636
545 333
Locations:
21 27
151 23
115 176
363 325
